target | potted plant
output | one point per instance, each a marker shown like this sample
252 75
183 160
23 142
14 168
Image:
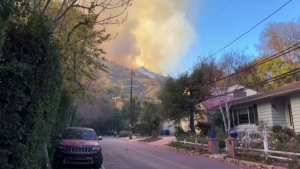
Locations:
212 133
233 134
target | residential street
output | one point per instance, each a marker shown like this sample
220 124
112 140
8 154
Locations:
122 154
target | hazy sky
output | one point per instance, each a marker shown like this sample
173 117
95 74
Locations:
207 27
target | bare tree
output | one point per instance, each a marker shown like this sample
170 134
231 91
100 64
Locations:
223 87
277 37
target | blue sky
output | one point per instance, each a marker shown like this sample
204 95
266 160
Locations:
218 22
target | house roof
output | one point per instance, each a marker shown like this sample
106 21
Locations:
283 90
213 102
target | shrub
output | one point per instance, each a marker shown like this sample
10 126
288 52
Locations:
280 137
204 127
142 129
180 133
31 87
124 133
297 137
176 144
289 132
222 143
276 128
202 140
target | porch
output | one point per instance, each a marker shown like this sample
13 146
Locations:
279 109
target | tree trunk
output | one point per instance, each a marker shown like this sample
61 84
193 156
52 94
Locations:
228 116
224 119
192 125
154 131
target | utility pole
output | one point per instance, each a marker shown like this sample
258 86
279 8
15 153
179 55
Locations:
115 111
131 114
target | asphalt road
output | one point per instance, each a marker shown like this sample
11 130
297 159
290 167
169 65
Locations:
122 154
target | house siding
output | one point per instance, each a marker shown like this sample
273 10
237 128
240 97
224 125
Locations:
264 111
278 113
295 105
244 127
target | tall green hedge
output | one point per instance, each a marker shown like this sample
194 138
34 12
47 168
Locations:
33 103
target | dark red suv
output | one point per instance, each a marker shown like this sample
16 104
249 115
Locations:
78 147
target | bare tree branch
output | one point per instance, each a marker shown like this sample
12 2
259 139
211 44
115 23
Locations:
56 19
59 11
46 6
34 4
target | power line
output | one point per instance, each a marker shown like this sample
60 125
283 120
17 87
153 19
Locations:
245 34
252 28
281 53
248 30
281 76
188 8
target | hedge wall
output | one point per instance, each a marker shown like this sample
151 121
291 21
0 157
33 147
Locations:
33 103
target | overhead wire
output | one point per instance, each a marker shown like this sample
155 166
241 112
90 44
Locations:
252 28
281 53
248 31
281 76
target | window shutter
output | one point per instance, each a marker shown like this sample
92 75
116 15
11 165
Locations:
256 115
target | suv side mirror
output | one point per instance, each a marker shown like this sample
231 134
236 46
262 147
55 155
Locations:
100 138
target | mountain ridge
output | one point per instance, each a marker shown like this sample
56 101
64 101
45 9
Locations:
117 81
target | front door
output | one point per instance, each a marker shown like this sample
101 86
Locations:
289 115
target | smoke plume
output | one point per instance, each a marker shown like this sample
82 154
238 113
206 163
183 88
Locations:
148 21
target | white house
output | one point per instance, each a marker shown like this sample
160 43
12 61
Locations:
169 125
280 106
230 89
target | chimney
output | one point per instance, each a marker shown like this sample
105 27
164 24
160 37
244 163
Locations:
239 94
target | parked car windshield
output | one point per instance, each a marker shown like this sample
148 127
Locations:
79 134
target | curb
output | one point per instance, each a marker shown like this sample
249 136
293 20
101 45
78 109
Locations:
232 161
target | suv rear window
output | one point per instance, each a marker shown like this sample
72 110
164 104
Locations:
79 134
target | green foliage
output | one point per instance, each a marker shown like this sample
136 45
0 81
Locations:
222 143
276 128
280 137
289 132
151 115
32 98
282 134
81 48
205 127
124 133
142 129
179 96
297 137
176 144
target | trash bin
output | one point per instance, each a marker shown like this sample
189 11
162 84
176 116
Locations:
167 132
164 132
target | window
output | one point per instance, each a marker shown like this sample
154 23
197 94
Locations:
235 116
79 134
290 115
251 115
243 116
256 115
247 115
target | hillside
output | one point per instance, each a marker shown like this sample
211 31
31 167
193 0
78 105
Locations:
117 82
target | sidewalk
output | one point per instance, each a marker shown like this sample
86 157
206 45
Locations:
164 141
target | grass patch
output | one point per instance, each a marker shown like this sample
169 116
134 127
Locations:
176 144
150 139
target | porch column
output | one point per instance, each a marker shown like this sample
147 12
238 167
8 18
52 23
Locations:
232 145
213 145
295 106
